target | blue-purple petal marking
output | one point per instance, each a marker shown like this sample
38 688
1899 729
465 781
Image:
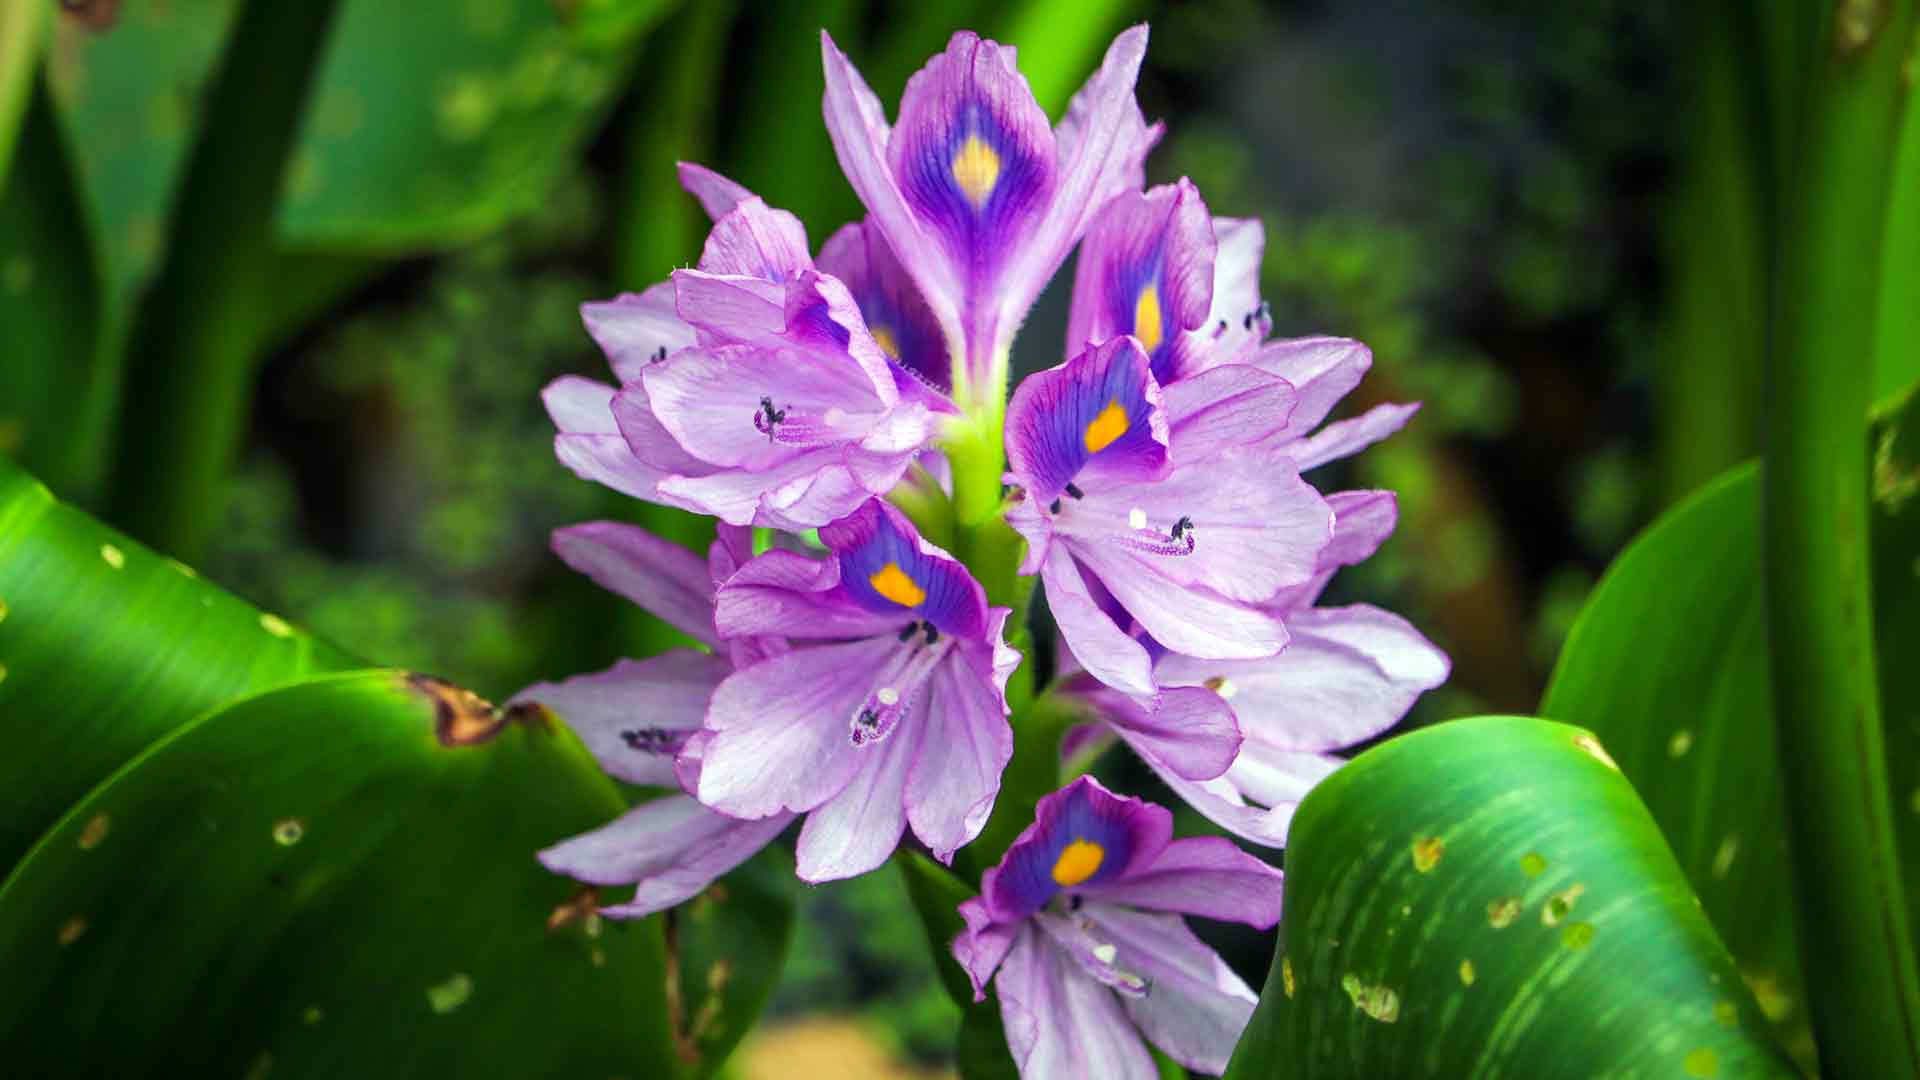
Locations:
1102 406
896 314
1083 836
887 568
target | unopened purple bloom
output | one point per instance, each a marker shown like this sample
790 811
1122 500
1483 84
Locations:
1143 513
752 388
976 195
1080 931
642 719
889 710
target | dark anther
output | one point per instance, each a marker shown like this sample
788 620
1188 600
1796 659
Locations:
1222 330
660 355
868 721
768 417
1075 492
651 740
932 634
1247 323
1182 527
1054 506
908 630
1073 903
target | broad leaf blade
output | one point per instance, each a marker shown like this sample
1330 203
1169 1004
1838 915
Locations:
1488 897
726 948
314 882
105 648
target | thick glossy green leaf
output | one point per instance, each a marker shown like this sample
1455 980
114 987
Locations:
725 949
1489 897
1668 665
106 647
51 383
331 879
1897 340
435 123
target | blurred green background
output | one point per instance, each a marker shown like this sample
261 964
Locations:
1503 200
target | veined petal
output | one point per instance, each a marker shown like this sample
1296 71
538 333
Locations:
1362 521
1278 778
672 847
1082 835
975 160
1146 270
1060 1024
803 492
1202 875
1094 639
1236 406
858 126
796 596
1240 522
637 329
738 406
1191 619
718 195
856 830
1100 411
659 575
1222 803
780 729
983 944
1102 159
1345 438
1197 1006
1192 730
1322 370
1237 321
755 240
889 569
964 745
1348 674
635 716
589 440
897 316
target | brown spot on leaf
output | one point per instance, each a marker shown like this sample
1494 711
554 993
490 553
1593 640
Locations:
97 15
578 908
464 718
71 930
1426 853
95 832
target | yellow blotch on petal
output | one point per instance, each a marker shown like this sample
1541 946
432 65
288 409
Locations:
1147 323
976 168
893 583
1108 426
1078 862
883 337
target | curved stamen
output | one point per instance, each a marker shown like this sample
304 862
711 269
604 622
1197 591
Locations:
898 679
788 428
654 740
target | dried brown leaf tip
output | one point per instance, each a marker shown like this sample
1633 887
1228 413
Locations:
464 718
96 14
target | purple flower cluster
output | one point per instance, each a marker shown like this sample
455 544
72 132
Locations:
854 674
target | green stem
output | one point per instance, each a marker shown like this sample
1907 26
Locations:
22 28
1863 991
190 378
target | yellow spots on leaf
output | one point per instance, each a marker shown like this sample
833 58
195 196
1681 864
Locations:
1577 936
3 611
112 556
71 930
1723 857
1078 861
1591 747
884 338
1426 853
1379 1002
3 673
289 831
893 583
1560 904
1502 912
275 625
1466 973
1701 1063
450 995
976 168
1286 974
1105 428
1681 742
95 833
1147 323
1533 864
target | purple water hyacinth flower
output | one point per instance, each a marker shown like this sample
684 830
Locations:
641 720
1080 931
889 711
980 200
1187 285
1144 512
751 387
1347 674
